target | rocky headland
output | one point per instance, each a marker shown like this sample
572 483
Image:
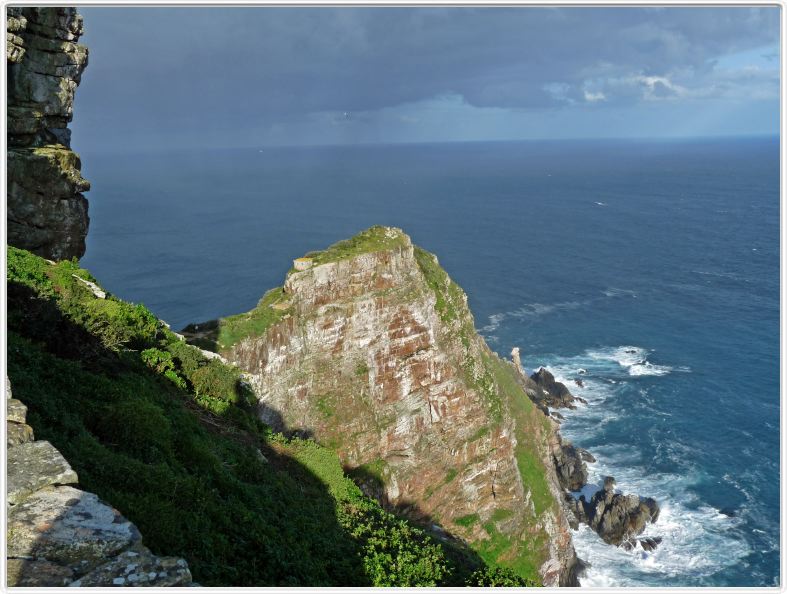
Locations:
371 349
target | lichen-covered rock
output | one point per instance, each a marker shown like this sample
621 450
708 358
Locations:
15 24
37 573
34 465
138 567
15 411
376 355
68 527
47 213
18 433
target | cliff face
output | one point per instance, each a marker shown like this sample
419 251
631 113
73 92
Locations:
47 213
372 350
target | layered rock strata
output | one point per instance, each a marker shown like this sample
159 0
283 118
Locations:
47 212
375 354
58 535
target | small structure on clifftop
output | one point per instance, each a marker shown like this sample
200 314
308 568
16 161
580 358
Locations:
302 263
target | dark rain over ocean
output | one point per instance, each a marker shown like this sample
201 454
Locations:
652 266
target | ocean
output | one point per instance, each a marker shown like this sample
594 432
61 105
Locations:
649 269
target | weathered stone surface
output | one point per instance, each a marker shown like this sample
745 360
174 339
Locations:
69 527
619 518
47 212
571 469
138 567
34 465
37 573
15 411
365 361
18 433
15 25
8 392
552 393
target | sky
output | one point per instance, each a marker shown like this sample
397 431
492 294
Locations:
265 76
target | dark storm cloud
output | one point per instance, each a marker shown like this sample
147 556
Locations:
236 67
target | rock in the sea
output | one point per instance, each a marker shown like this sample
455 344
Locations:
68 527
34 465
616 517
571 469
47 213
553 393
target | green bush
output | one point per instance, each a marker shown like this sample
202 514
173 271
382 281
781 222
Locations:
498 577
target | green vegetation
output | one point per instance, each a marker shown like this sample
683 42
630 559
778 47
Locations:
169 438
374 239
501 514
498 577
468 520
450 299
219 335
494 379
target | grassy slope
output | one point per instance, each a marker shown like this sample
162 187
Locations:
165 436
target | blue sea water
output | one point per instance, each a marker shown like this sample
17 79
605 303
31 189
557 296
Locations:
653 266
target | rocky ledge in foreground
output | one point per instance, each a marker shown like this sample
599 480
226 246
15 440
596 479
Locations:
617 518
58 535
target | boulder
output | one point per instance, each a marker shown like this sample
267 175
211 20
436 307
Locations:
18 433
553 393
15 411
36 573
138 567
616 517
34 465
68 527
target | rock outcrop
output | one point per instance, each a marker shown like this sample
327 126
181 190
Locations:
58 535
551 392
619 518
374 353
47 213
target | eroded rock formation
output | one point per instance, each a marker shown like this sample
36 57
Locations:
47 213
59 535
617 518
376 355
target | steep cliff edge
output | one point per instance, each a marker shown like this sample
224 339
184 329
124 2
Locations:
371 349
47 213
